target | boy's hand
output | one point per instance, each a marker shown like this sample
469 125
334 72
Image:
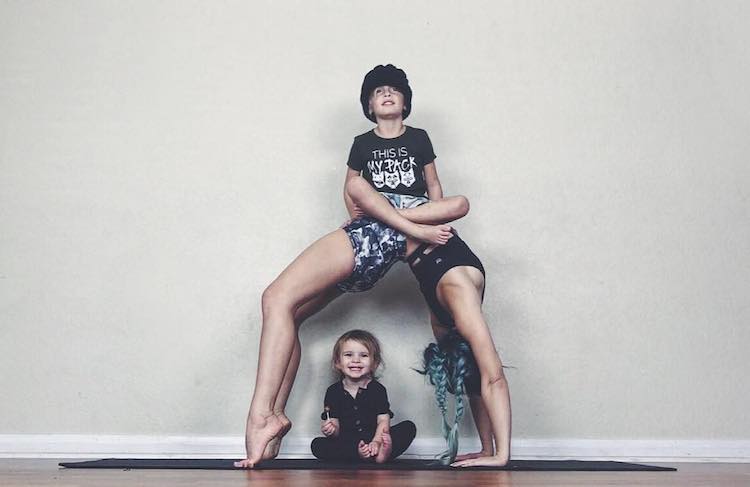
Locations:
330 427
357 211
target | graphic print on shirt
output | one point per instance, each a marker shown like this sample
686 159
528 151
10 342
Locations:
391 167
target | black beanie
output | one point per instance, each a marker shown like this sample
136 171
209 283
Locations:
388 75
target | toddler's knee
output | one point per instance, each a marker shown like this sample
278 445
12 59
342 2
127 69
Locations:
318 448
410 428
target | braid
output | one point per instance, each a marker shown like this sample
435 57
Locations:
447 364
434 361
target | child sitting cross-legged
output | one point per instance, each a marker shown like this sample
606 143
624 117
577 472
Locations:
357 416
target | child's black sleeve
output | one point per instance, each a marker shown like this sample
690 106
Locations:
355 157
428 153
382 406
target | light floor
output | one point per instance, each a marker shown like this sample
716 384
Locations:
27 472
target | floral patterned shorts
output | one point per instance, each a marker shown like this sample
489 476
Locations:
376 246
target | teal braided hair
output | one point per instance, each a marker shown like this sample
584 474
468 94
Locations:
447 364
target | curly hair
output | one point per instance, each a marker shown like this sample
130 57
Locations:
448 364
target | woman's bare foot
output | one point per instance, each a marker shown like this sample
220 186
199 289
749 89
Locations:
493 461
434 234
386 445
469 456
261 429
272 449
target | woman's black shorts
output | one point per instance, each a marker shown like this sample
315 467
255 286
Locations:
429 268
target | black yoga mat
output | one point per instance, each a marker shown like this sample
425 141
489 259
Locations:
312 464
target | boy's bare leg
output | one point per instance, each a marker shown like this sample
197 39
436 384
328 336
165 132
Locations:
375 205
434 212
439 211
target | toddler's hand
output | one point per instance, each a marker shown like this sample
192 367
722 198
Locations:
363 449
330 427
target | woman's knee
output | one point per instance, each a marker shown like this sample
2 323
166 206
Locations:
274 300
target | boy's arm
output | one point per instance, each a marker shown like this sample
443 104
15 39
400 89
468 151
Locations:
351 206
434 188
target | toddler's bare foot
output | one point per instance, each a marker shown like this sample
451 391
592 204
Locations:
434 234
261 429
386 445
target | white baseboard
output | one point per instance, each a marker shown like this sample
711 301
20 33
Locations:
126 446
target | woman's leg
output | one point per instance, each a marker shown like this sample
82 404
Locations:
305 311
318 268
376 206
460 291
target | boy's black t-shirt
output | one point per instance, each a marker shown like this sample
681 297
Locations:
393 165
357 415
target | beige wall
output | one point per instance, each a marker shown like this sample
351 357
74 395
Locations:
161 163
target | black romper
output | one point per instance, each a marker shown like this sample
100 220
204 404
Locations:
358 421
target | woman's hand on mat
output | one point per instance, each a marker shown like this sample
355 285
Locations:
469 456
493 461
330 427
